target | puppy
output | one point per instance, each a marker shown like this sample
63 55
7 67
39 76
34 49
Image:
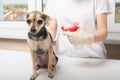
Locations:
40 43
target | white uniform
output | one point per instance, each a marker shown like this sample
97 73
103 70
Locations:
84 12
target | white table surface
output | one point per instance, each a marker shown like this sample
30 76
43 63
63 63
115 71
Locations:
17 66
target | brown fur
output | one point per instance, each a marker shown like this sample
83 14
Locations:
40 44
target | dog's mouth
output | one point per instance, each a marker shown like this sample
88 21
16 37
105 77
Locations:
34 31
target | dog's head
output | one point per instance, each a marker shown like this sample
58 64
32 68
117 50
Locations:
36 20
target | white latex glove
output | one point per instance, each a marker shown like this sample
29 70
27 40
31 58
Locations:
79 37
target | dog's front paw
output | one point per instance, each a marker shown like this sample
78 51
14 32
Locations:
33 77
50 75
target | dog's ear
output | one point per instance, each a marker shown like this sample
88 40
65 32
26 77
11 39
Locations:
45 17
27 15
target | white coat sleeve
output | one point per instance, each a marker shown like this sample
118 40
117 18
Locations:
50 9
102 6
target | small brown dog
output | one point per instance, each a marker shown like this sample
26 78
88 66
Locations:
40 43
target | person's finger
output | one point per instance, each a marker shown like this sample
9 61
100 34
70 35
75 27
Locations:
68 33
69 38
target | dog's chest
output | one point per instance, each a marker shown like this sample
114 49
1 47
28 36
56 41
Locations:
42 60
34 45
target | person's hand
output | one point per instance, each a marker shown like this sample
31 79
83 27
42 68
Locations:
79 37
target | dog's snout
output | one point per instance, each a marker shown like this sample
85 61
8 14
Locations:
33 30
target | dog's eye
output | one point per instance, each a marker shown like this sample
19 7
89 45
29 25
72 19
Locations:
39 21
28 21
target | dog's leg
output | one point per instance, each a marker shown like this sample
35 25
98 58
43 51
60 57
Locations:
55 60
34 73
50 62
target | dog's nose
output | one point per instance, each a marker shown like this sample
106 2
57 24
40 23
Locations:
33 30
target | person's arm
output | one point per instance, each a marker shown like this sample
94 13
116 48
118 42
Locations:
53 27
101 23
81 37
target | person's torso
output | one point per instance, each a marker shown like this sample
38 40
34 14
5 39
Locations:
83 12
